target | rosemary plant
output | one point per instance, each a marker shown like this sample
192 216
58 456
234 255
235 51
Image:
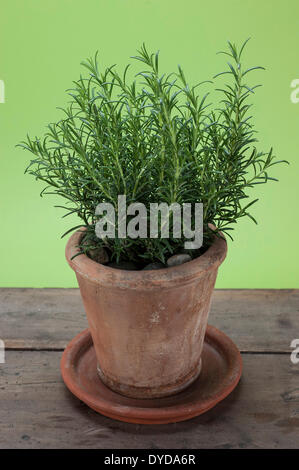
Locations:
153 138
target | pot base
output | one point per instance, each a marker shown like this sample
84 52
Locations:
220 373
149 393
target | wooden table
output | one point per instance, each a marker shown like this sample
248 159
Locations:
37 411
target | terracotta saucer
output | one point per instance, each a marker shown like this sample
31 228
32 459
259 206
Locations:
221 371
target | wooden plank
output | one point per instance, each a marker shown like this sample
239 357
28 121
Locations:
37 411
257 320
40 318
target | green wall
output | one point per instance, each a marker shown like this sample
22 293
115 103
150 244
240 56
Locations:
42 44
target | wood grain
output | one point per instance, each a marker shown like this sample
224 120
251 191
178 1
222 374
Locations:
257 320
37 411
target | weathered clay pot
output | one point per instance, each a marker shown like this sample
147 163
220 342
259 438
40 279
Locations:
148 327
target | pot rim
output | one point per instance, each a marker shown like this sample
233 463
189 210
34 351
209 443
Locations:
182 274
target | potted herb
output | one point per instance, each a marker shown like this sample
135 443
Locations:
152 139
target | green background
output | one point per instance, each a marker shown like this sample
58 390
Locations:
42 45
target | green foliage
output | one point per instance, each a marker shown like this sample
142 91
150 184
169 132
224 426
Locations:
154 139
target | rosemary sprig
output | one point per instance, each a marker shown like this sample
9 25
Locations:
154 139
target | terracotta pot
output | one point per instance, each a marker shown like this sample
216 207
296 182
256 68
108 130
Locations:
147 327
